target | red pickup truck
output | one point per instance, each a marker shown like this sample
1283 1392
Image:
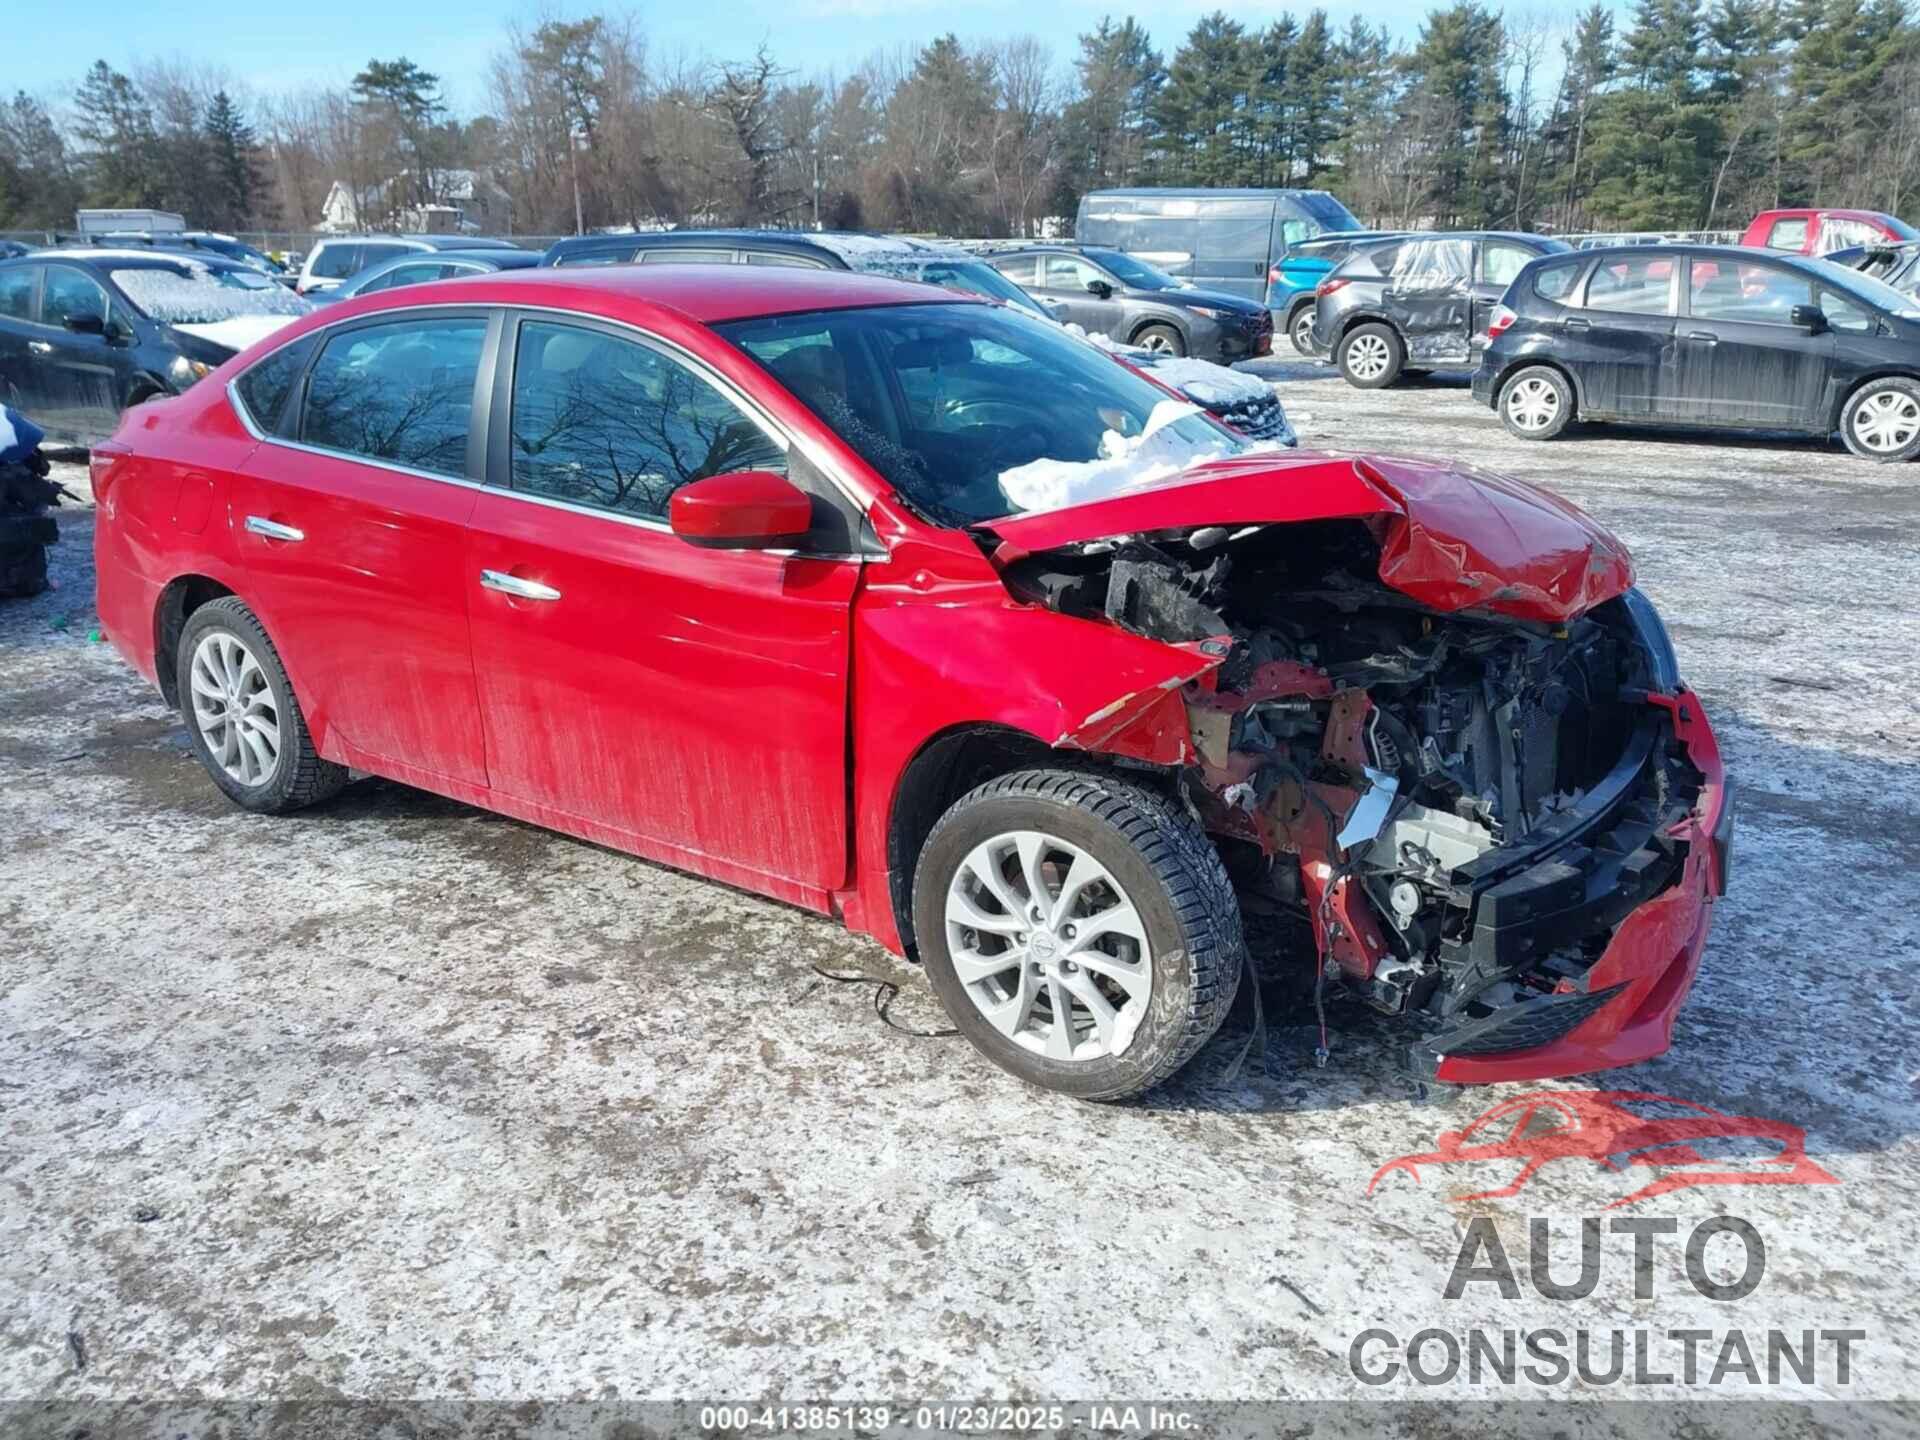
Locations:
1818 232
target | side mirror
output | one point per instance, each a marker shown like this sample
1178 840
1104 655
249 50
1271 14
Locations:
1100 288
1810 318
744 510
85 324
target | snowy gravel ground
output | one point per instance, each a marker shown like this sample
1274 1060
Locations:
400 1099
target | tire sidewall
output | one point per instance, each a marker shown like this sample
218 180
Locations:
1163 1028
1898 384
1396 356
1302 345
1561 387
232 618
1178 340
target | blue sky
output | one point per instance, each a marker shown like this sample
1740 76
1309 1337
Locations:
276 46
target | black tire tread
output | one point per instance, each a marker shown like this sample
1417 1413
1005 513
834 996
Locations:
311 777
1188 867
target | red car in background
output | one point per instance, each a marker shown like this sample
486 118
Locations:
1819 232
917 611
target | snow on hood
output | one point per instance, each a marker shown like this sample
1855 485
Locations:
238 332
1159 452
1205 381
1450 537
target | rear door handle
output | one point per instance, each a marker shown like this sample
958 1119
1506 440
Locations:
513 585
39 347
1703 337
1577 324
274 530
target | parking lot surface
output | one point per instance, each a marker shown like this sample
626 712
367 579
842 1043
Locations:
398 1098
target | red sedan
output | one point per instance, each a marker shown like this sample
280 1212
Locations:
910 609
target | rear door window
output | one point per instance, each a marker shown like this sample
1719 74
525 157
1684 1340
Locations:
1788 234
400 392
1501 260
16 292
772 257
1632 285
336 262
1758 294
599 257
1021 269
616 425
688 256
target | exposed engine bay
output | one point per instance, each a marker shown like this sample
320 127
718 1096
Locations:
1447 813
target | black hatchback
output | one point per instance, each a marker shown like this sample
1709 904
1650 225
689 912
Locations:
1706 336
1417 302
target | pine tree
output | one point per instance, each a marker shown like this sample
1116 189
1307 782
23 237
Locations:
1198 110
233 179
112 120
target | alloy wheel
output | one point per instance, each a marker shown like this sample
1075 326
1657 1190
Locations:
1303 332
1049 946
1887 422
1533 403
1159 343
1368 357
234 708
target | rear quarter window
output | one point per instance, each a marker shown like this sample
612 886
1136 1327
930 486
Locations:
16 292
264 389
1788 235
1556 282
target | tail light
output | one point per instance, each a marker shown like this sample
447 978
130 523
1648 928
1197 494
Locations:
101 460
1500 322
1274 277
1328 287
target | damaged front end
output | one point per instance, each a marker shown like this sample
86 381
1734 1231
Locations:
1468 790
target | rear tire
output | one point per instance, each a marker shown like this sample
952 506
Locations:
1371 356
1881 420
1536 403
243 719
1143 948
1161 339
1300 329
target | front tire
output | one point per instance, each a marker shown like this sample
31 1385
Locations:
1371 356
1161 340
1881 420
1536 403
243 719
1080 930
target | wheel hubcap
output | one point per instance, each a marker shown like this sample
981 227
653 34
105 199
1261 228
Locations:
1049 947
234 709
1886 422
1367 357
1533 403
1159 344
1303 333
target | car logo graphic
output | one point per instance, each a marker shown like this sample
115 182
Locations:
1618 1130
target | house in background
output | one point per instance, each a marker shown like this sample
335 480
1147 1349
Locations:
465 202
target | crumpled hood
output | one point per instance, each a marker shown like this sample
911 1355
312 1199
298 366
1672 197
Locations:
1450 536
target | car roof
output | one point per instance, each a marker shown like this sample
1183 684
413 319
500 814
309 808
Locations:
705 294
1201 192
101 256
426 242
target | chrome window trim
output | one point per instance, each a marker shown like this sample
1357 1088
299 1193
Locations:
508 309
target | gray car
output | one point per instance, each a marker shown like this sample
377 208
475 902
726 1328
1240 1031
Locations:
1417 302
1106 292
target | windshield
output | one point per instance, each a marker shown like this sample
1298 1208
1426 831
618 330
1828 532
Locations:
201 295
1325 212
972 412
1137 273
974 277
1865 287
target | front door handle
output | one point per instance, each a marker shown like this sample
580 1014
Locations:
1703 337
513 585
39 347
274 530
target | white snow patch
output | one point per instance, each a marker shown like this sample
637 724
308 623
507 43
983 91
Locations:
238 332
194 295
1207 382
